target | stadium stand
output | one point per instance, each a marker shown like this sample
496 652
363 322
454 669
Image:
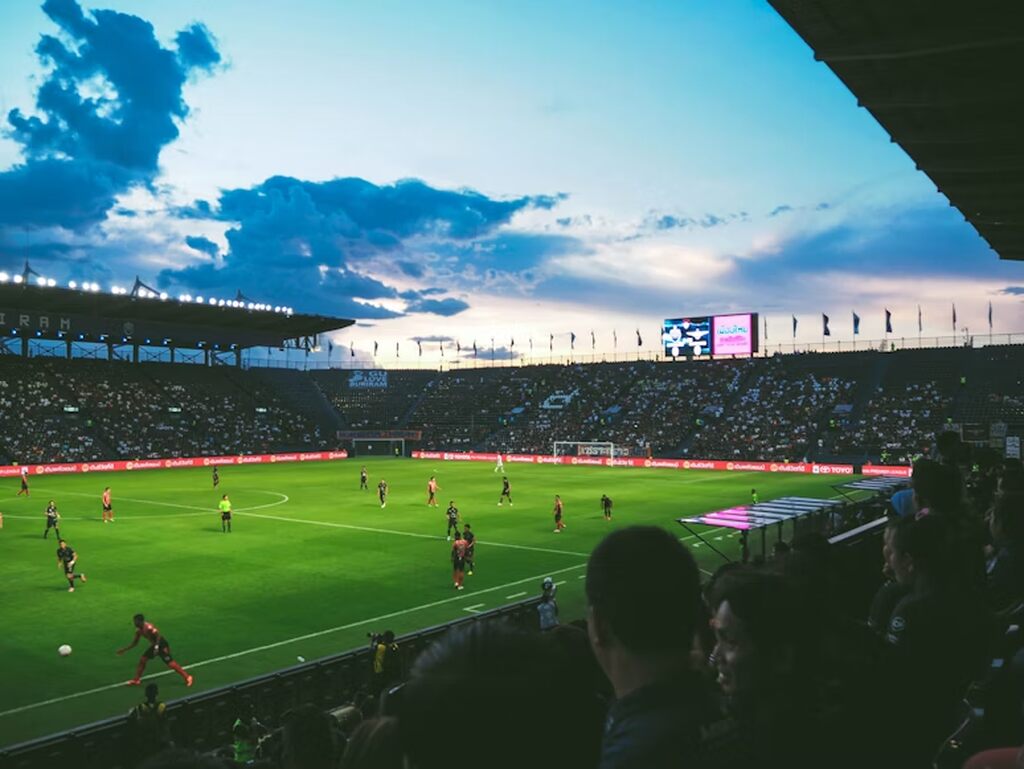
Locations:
381 408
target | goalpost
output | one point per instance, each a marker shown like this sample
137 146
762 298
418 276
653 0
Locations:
378 447
584 449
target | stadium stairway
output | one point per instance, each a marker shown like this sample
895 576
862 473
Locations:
299 392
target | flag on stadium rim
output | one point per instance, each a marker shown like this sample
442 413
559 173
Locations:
419 344
458 347
615 339
888 322
954 316
551 342
990 316
794 326
593 340
512 343
856 324
374 349
824 325
639 341
572 340
352 349
765 326
919 319
442 349
474 348
396 350
531 344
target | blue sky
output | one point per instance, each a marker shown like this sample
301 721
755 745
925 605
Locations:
472 170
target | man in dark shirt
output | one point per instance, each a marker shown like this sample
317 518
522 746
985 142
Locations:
363 477
606 506
52 520
453 519
470 537
642 639
506 491
66 560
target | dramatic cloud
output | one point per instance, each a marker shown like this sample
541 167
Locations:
1013 290
111 101
319 239
203 245
784 208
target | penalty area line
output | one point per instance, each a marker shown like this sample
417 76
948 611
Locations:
287 641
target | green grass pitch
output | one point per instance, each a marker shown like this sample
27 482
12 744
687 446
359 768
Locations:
313 565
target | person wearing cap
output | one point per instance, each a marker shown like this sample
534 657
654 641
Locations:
548 606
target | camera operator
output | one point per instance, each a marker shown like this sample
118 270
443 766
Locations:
387 661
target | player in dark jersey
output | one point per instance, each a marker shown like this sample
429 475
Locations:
453 520
606 506
52 519
363 478
158 647
559 509
470 538
66 560
382 492
24 483
108 506
458 560
216 477
506 491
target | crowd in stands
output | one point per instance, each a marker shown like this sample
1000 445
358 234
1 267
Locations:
55 411
760 666
897 424
774 418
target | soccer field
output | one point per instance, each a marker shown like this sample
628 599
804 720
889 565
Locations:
312 566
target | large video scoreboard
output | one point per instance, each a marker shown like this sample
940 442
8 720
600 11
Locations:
710 335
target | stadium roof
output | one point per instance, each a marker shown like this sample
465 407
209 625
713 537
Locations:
187 322
943 77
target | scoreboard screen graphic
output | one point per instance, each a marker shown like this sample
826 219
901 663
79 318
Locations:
734 334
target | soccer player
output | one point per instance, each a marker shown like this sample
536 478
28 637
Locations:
453 520
458 560
108 506
66 559
470 538
216 477
158 647
559 509
506 491
52 519
24 483
753 496
225 514
382 492
606 506
499 467
363 478
432 488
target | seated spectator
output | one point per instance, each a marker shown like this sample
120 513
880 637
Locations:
770 671
310 740
1005 567
148 722
642 639
937 636
513 693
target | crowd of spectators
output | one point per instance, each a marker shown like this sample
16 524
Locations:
59 411
897 425
774 418
669 672
378 407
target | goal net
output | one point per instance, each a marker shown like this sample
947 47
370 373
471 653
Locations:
378 447
584 449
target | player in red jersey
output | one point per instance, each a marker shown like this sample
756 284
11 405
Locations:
108 506
158 647
24 483
432 488
459 547
559 509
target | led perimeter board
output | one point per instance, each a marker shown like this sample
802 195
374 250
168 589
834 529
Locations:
710 335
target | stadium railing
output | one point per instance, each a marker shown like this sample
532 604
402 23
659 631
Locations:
203 721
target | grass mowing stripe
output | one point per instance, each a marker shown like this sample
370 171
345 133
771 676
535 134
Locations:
372 529
296 639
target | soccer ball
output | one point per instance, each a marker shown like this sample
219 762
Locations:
63 650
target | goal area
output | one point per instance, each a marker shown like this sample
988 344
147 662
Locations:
583 449
378 447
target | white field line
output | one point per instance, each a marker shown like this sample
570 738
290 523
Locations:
475 608
296 639
283 499
375 530
515 595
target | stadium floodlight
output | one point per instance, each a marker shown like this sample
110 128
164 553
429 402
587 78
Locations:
40 280
18 279
4 277
50 282
199 300
163 296
72 284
